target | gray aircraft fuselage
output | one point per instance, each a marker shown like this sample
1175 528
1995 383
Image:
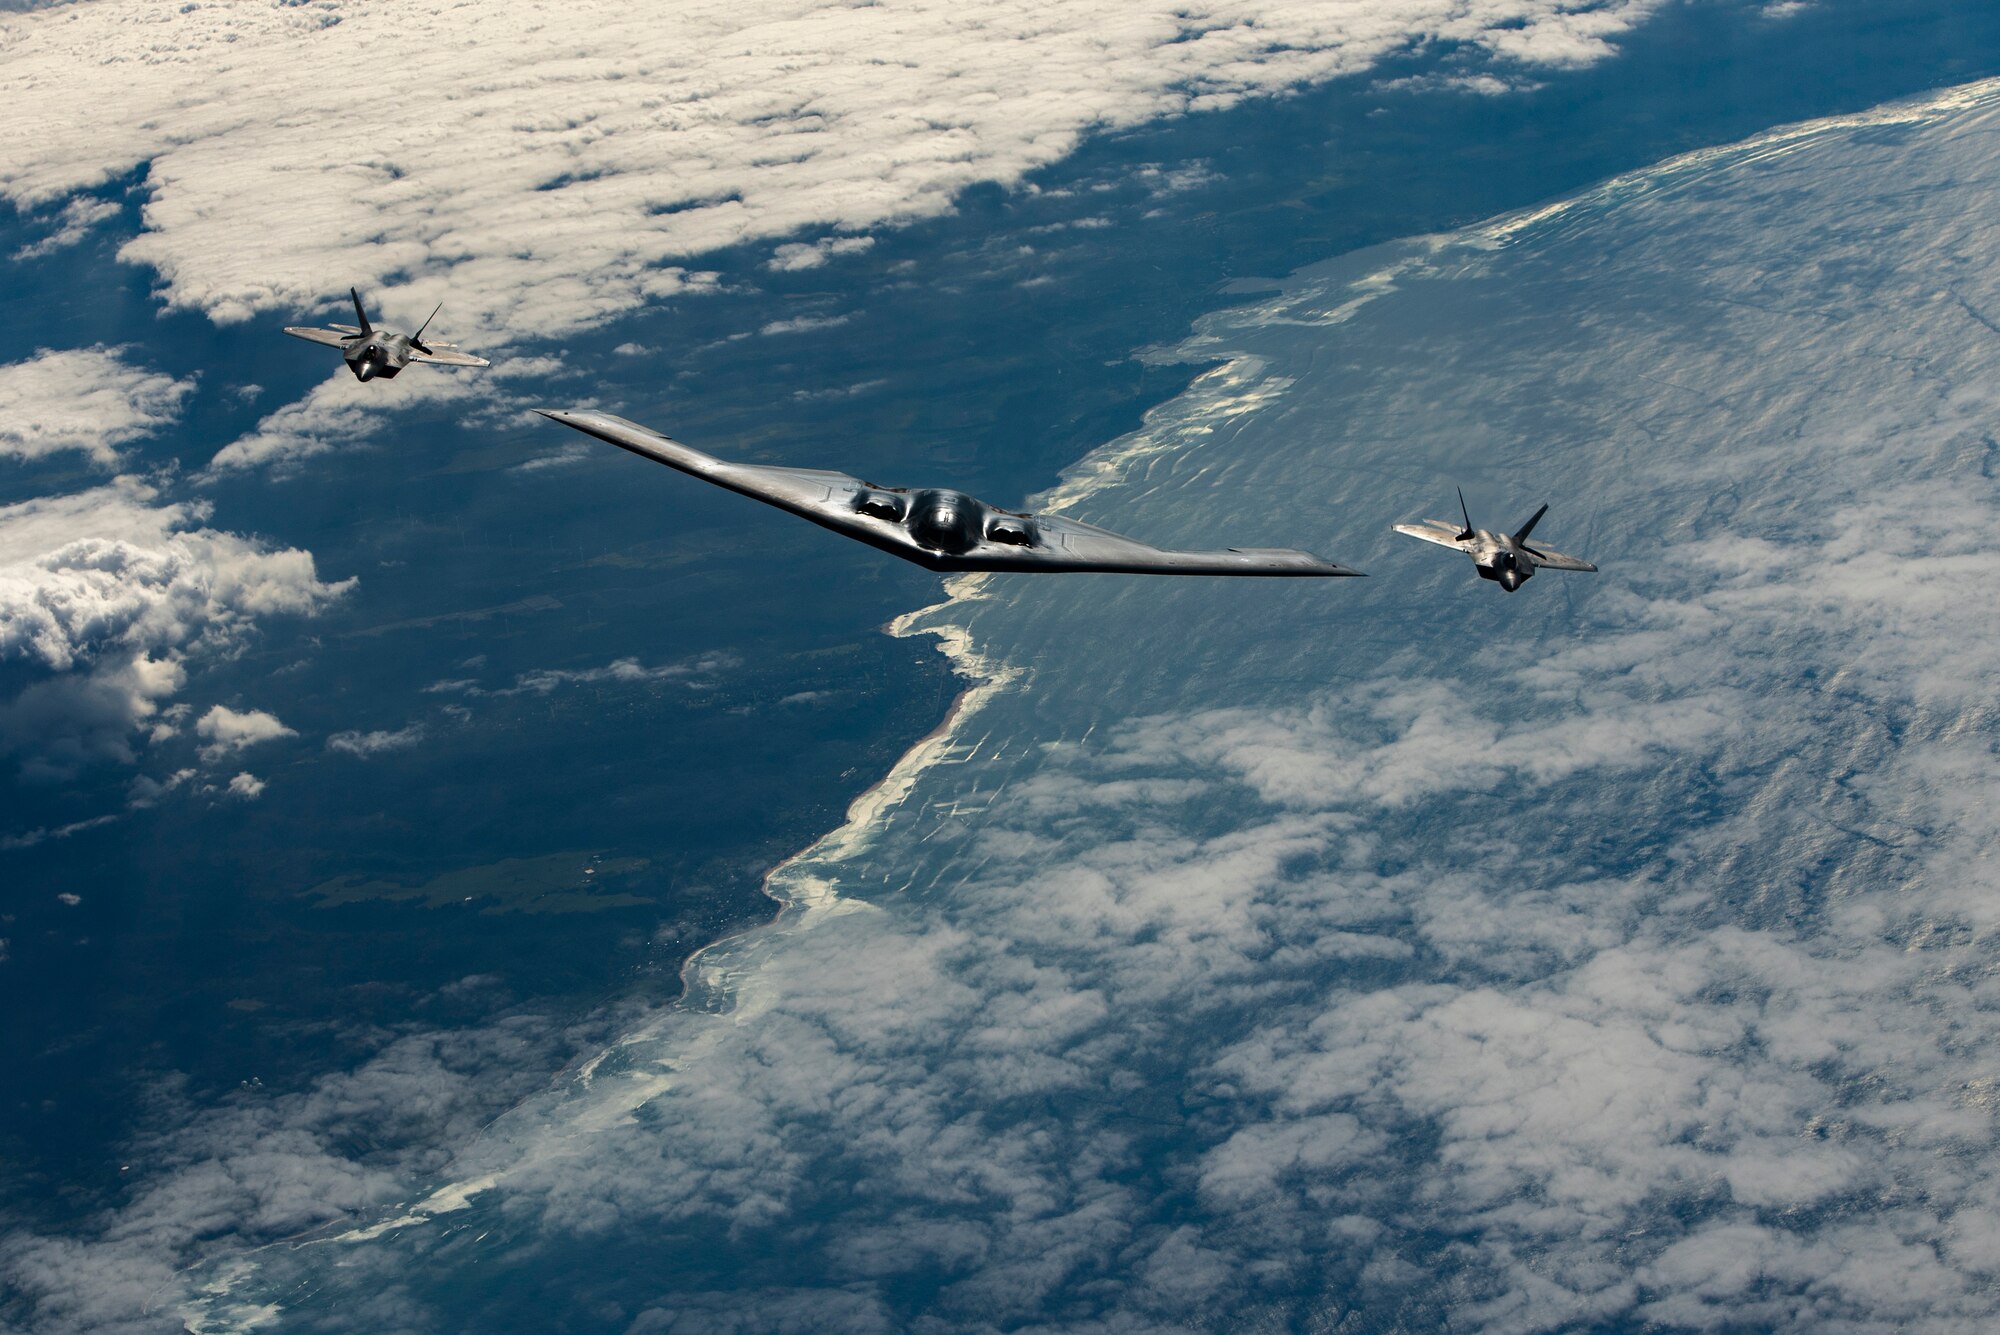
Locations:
1496 556
382 355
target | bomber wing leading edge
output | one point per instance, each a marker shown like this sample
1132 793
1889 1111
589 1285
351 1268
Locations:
939 529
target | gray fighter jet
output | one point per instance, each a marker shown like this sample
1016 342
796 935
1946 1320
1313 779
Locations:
938 529
1506 559
373 353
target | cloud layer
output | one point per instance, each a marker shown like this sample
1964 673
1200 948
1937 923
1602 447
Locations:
551 176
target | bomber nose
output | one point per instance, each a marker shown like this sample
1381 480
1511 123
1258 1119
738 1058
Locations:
944 522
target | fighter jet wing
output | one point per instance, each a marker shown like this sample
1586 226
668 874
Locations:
1435 530
333 338
444 354
1551 560
875 515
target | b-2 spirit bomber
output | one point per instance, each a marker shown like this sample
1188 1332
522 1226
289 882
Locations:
938 529
1504 558
379 352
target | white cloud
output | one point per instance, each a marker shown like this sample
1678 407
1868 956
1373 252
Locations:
623 671
74 223
367 744
803 324
793 256
10 842
87 399
344 413
228 731
561 458
338 412
106 596
246 787
566 176
147 791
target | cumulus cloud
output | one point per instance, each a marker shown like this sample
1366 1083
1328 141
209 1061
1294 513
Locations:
366 744
566 177
90 400
803 324
106 596
227 731
793 256
245 787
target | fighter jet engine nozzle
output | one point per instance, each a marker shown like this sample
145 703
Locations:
1011 530
881 504
945 521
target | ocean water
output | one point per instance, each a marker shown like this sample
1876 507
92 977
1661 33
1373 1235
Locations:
1383 954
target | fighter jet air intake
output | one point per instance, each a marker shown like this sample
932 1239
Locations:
939 529
1504 558
374 352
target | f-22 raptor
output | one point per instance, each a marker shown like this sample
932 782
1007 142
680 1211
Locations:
938 529
381 353
1504 558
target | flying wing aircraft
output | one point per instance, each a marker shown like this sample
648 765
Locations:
1504 558
378 351
939 529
